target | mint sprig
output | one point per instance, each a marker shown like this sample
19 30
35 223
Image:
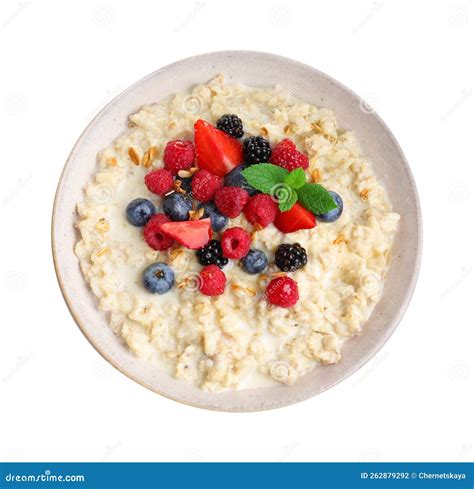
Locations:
264 176
288 188
316 198
288 200
296 179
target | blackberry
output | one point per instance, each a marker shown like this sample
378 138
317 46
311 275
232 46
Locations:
232 125
256 150
290 258
211 254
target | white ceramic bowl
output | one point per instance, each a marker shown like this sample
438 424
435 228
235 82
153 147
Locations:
308 84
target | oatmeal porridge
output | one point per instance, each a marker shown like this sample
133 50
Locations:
240 255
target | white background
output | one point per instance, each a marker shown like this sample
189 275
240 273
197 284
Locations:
61 61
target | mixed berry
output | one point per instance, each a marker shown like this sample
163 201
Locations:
218 220
261 209
177 206
256 150
236 179
289 258
159 182
231 124
158 278
334 214
255 261
140 211
217 177
211 254
286 155
212 280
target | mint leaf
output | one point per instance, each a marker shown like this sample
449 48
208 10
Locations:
316 198
287 202
296 179
264 176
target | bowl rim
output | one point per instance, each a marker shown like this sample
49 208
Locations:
396 319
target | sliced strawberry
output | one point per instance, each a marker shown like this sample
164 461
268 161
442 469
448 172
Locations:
216 151
295 219
192 234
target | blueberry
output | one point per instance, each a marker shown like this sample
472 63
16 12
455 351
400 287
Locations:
177 206
335 214
185 183
218 221
139 212
236 179
254 262
158 278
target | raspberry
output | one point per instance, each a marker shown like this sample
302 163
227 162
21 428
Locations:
235 243
261 209
153 235
205 185
159 181
231 200
179 155
286 155
212 280
283 292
